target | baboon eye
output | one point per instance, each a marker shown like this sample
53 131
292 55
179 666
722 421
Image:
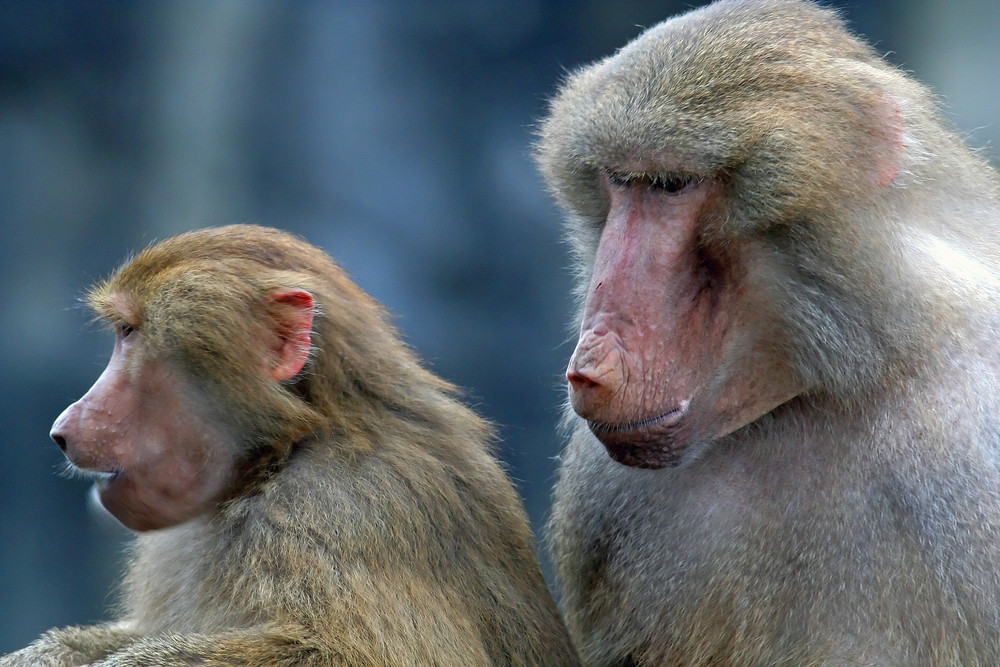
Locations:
125 330
673 183
620 179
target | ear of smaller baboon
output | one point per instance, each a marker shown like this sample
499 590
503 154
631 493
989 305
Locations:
295 309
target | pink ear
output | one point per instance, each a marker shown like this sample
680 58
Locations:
890 138
295 333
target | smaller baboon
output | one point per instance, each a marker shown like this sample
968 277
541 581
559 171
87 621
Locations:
305 492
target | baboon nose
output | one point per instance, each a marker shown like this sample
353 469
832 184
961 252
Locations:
64 423
580 380
61 441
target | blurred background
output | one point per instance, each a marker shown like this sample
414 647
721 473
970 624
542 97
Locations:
395 135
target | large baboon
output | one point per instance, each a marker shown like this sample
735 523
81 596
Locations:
785 397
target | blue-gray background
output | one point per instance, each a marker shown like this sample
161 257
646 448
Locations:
395 135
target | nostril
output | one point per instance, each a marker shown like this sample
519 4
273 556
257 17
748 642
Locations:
61 441
580 381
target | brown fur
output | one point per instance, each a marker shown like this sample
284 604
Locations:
857 523
372 525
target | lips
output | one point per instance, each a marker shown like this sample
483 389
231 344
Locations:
102 479
646 443
106 489
82 469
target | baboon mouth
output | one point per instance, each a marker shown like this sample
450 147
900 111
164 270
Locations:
667 419
646 443
100 478
644 456
103 479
